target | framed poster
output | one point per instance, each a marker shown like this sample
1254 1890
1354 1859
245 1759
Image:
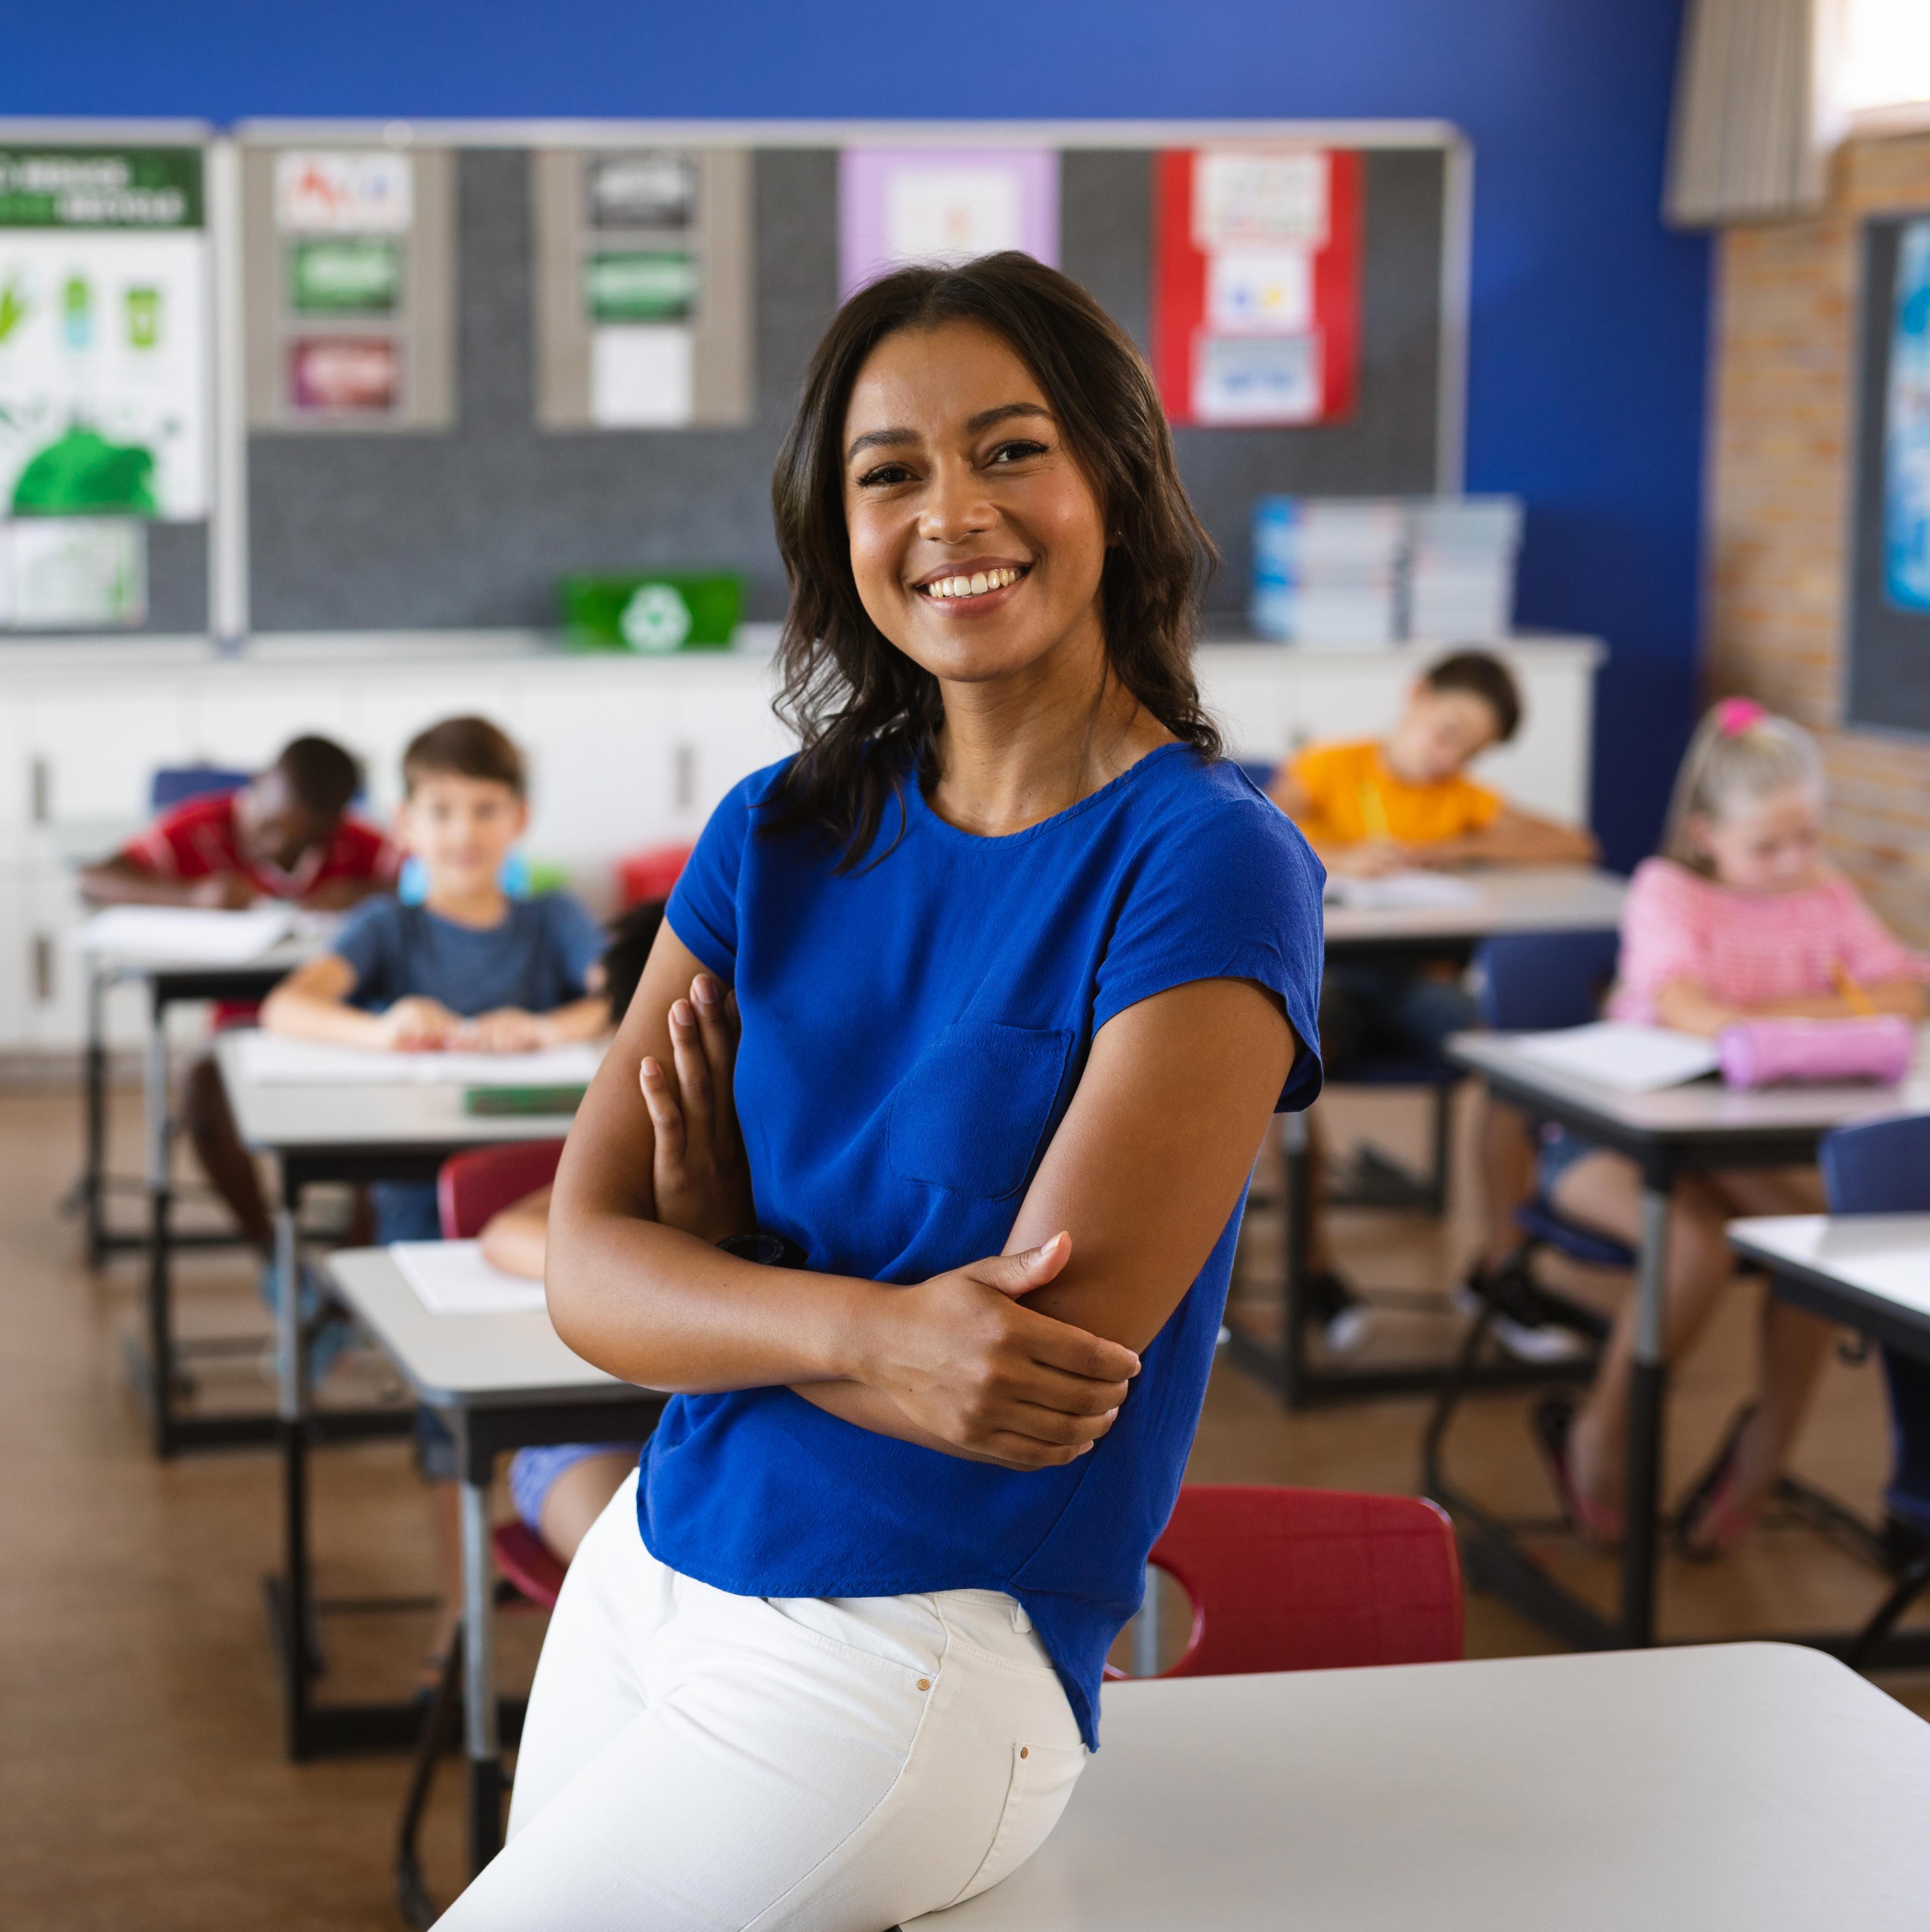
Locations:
899 206
1256 296
103 333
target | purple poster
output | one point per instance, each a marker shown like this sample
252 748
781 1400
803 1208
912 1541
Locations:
902 205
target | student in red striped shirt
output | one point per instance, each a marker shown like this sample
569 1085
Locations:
286 834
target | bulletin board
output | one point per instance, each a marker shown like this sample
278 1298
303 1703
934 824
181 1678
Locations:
106 377
466 522
1887 684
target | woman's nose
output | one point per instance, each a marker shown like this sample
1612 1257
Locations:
956 507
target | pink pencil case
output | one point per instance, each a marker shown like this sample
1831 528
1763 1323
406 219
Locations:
1762 1053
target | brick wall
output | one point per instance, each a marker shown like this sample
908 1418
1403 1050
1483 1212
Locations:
1779 510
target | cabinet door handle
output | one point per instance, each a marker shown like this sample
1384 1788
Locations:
40 790
44 967
686 778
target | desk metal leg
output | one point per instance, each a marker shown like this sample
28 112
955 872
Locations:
1296 1186
1145 1629
1647 1389
93 1179
482 1743
291 1409
160 1318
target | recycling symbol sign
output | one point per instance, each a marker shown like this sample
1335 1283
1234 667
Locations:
656 619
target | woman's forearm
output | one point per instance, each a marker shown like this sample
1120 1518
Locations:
666 1310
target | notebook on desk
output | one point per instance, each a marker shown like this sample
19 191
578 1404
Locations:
1402 892
452 1278
186 935
1616 1053
274 1060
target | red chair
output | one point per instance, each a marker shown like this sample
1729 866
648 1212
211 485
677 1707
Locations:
472 1186
469 1189
1311 1579
651 874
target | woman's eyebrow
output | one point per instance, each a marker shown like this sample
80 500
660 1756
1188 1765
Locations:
881 438
985 419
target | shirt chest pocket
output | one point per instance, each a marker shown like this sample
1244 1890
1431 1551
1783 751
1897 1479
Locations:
973 1113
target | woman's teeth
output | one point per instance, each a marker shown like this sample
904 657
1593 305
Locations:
976 585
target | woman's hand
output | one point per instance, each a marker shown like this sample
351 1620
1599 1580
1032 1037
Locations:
974 1374
700 1177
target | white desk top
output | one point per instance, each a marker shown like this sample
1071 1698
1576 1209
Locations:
470 1361
1701 1107
292 1119
1885 1255
1508 898
1738 1786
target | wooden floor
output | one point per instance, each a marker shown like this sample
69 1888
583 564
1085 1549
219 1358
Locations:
141 1782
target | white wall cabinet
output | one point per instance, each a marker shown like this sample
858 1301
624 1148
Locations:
624 752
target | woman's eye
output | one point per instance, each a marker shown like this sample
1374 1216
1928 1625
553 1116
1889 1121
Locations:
884 476
1018 452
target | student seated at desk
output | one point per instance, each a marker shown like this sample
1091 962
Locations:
1371 807
1740 916
286 834
470 967
560 1488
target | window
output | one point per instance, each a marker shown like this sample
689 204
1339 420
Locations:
1880 68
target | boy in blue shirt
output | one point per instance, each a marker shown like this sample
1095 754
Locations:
469 967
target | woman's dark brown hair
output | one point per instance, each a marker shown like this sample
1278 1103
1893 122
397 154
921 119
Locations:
865 714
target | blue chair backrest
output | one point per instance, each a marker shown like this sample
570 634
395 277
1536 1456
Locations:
1534 982
1262 774
1879 1167
175 784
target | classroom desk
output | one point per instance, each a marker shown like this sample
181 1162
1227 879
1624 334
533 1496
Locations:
169 982
499 1382
339 1133
1740 1785
1507 899
1701 1126
1871 1273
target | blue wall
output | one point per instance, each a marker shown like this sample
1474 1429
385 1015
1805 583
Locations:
1588 335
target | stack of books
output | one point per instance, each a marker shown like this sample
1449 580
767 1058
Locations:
1383 570
1460 569
1327 570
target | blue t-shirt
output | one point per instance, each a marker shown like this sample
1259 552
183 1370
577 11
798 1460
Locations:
912 1033
538 958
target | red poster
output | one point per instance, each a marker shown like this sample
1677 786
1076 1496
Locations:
1256 298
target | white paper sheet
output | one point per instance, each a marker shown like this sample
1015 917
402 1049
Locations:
186 934
1633 1059
1403 892
271 1060
452 1278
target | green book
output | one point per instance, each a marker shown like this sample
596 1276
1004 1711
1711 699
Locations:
523 1099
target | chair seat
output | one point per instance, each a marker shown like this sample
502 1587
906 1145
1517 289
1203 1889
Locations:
1540 1221
1397 1069
526 1559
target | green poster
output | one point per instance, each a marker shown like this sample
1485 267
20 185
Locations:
657 285
344 276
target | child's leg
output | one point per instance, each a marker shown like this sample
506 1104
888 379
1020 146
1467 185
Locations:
1794 1345
579 1495
1507 1175
217 1145
1604 1190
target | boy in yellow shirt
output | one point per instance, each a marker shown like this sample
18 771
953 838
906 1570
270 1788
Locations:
1369 808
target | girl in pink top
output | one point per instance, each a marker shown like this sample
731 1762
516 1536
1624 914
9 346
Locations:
1740 916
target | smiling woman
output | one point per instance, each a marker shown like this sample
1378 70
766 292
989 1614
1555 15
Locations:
973 1013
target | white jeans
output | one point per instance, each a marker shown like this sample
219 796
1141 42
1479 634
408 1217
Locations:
695 1760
